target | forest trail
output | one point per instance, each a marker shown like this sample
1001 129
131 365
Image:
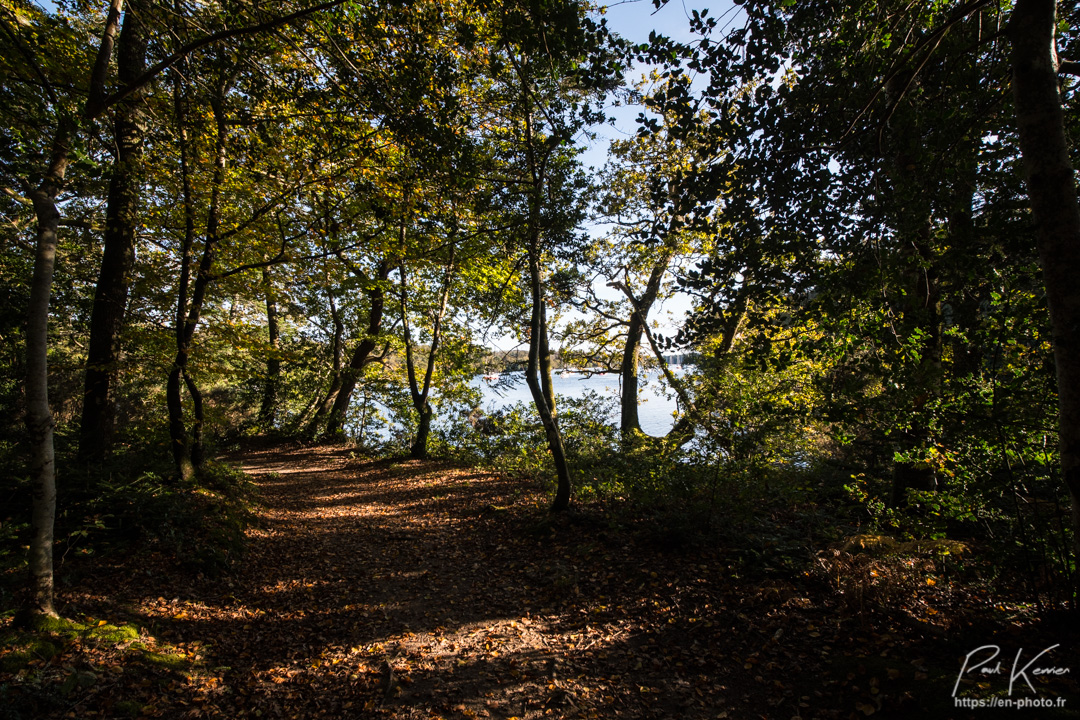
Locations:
408 589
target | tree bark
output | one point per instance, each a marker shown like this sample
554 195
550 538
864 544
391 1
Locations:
629 422
268 411
118 256
311 429
421 395
539 357
335 423
1051 187
188 455
39 418
537 329
546 383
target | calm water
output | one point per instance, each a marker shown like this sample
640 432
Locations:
655 407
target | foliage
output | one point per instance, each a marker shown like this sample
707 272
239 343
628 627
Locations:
136 509
868 306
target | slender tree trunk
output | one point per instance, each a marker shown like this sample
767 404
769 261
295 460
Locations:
335 423
118 256
537 329
196 454
188 456
540 388
39 418
546 383
311 428
173 398
629 422
421 395
1051 188
268 411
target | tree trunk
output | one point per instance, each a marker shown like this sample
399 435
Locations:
118 256
39 418
537 329
188 456
1051 189
311 429
546 384
335 424
268 411
629 422
540 388
420 395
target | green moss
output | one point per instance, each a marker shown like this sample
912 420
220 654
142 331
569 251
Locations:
113 634
54 625
14 662
127 708
167 661
30 648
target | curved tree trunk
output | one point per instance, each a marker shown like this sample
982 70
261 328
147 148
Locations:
421 395
537 341
629 422
187 455
1051 186
335 424
118 253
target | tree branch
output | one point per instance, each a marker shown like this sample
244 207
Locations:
191 47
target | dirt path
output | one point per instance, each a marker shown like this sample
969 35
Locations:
418 590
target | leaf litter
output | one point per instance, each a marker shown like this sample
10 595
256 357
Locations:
408 589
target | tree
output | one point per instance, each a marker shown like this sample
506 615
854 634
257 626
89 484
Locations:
893 189
553 65
648 198
68 125
1051 187
121 221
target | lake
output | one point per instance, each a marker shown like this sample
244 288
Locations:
655 408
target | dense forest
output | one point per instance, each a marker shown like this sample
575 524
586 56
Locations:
232 226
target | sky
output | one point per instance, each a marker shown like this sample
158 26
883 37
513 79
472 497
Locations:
634 20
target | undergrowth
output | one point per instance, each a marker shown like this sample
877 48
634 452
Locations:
135 503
